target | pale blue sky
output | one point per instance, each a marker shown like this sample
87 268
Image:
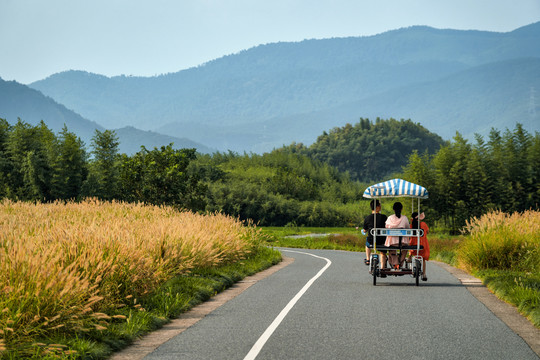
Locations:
149 37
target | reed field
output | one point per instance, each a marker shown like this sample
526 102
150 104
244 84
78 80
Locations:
66 268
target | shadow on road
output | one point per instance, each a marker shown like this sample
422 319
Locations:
428 284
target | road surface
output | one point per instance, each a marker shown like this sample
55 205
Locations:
324 306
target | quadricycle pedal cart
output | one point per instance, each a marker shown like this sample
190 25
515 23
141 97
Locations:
396 188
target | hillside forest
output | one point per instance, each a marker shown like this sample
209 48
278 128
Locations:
294 185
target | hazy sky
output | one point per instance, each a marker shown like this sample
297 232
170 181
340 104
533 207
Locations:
149 37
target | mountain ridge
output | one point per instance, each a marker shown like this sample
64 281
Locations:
282 80
305 127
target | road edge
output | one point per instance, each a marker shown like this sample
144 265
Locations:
151 341
504 311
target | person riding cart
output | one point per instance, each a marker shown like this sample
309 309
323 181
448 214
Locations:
392 189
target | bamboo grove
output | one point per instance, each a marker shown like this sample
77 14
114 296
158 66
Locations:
468 180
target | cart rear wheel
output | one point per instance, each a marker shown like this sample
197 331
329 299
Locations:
375 269
416 271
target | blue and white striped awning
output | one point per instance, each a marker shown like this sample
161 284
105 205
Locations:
396 188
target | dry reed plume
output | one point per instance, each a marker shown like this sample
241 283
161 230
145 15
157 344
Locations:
503 241
64 266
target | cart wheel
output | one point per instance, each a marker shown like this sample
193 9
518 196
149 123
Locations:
416 271
375 269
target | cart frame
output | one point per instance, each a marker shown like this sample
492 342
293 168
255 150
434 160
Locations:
397 188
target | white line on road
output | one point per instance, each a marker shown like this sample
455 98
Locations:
270 330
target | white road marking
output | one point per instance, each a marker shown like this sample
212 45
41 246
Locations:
270 330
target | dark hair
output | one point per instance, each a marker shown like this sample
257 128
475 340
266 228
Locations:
397 208
414 223
374 204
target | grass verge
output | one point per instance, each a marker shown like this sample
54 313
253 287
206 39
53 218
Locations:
443 247
348 239
518 288
147 313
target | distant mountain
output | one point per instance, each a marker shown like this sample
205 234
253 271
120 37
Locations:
20 101
276 93
496 95
131 140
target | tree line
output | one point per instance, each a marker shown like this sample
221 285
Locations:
276 188
38 165
284 187
469 179
279 189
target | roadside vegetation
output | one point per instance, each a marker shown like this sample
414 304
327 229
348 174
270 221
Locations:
322 238
78 280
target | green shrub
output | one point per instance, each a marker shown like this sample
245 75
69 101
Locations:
502 241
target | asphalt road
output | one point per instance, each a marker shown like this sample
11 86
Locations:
326 307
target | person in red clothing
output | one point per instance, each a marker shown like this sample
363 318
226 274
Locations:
424 253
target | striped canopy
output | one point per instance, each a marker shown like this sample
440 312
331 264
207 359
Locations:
396 188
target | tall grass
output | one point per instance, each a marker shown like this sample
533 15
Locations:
65 266
443 247
503 241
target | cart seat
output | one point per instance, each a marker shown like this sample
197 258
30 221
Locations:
397 232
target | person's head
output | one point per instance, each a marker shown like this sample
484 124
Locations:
420 217
397 208
414 221
415 218
375 205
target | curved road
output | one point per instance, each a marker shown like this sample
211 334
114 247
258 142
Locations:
324 306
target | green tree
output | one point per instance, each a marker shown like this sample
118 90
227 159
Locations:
36 177
103 175
71 166
370 152
517 144
534 161
475 181
161 176
420 170
6 166
443 162
498 172
471 180
31 152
